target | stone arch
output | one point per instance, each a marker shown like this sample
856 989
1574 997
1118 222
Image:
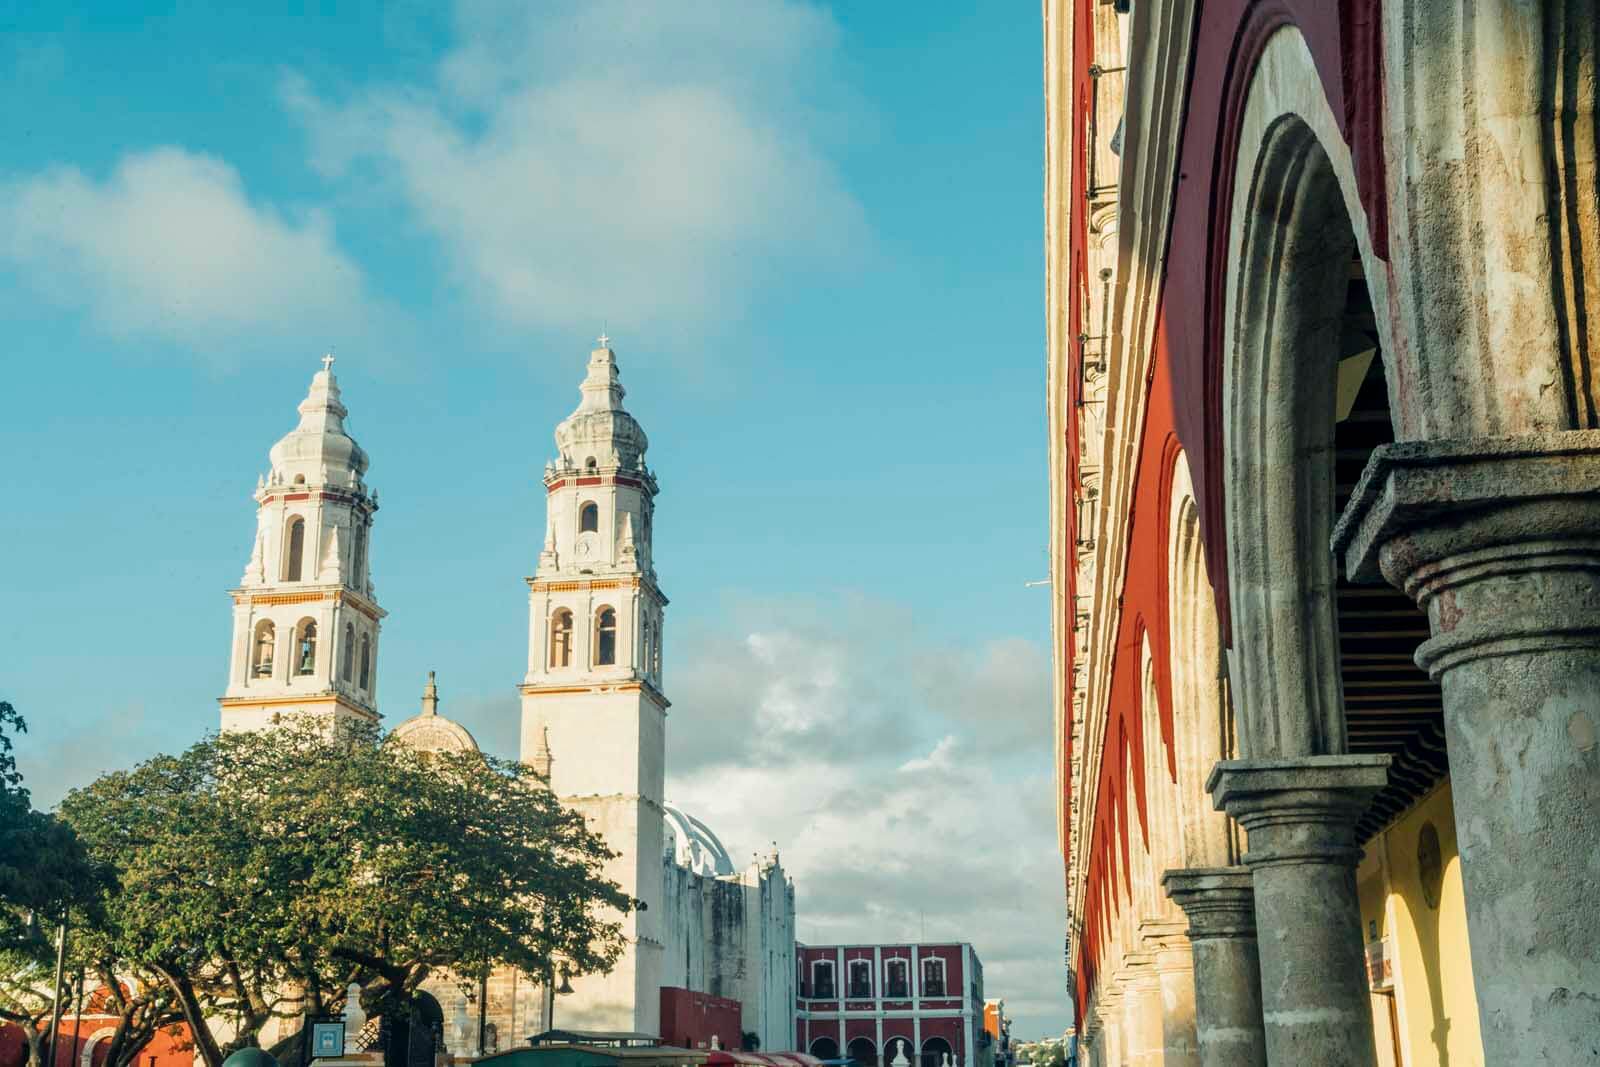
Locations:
1292 240
1202 714
862 1051
91 1045
1164 840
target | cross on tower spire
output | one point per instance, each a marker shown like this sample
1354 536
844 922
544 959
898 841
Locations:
327 362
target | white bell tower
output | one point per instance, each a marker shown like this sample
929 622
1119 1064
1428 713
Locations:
592 706
305 618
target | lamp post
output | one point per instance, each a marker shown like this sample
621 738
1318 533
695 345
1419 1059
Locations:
550 992
55 1007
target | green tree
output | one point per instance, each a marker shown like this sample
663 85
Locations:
1046 1053
44 870
258 874
45 877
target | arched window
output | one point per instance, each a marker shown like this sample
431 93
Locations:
305 657
862 1051
347 661
358 556
936 1052
933 977
605 638
645 650
266 641
655 651
589 518
366 662
296 555
561 639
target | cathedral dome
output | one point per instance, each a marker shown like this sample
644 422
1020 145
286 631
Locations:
319 451
600 433
429 731
693 845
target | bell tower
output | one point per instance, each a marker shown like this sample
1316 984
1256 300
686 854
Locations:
305 617
592 707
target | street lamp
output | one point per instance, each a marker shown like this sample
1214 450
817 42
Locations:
550 994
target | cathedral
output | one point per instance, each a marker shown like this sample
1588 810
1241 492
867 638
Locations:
306 625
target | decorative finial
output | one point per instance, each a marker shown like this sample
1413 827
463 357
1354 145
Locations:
327 362
605 342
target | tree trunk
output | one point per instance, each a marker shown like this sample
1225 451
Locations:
35 1039
200 1031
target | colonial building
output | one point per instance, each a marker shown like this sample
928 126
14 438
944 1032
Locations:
874 1002
593 713
1324 457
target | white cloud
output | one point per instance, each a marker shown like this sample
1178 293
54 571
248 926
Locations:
642 164
169 246
907 783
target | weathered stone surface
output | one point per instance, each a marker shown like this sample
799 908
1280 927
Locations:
1220 905
1499 542
1300 815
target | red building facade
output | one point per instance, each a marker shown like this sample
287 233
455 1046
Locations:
872 1002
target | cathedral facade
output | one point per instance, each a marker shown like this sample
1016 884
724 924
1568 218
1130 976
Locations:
594 712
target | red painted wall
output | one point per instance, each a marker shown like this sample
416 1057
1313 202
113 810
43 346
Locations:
690 1019
166 1048
1184 408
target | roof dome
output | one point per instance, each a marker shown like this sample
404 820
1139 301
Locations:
600 434
431 732
319 451
693 845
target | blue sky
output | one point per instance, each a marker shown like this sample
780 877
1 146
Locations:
814 234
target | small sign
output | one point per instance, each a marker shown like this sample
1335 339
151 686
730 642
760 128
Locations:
327 1039
1380 966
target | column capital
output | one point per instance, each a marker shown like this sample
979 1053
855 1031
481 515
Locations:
1300 810
1437 518
1219 901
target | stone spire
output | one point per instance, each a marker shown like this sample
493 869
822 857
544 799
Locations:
542 758
319 451
548 560
600 434
430 696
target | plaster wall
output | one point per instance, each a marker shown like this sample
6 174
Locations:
733 936
1430 954
604 739
628 998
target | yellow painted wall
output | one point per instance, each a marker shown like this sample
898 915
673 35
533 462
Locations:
1432 965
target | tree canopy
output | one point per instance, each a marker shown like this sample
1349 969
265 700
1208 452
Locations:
45 877
258 874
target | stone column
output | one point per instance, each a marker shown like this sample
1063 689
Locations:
1091 1044
1110 1012
1300 815
1141 1013
1164 949
1499 541
1227 970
